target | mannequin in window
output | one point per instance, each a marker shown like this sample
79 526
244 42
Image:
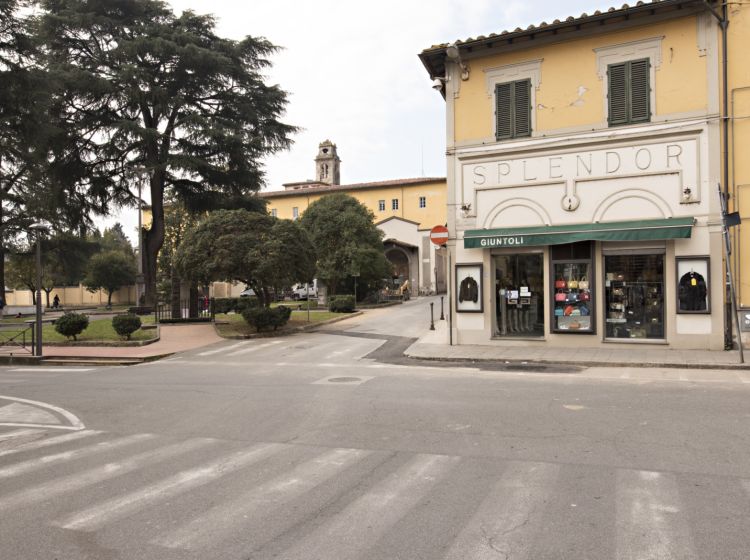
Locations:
692 292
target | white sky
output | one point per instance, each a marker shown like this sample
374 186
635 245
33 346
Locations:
353 75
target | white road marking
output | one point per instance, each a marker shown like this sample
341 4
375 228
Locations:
510 515
365 520
18 433
41 462
253 348
60 369
743 377
649 521
101 514
625 375
39 444
224 348
70 417
83 479
27 414
224 520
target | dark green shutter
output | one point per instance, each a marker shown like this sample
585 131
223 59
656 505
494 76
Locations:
629 92
503 110
640 91
618 93
522 108
513 109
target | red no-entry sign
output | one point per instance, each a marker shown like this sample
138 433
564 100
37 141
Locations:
439 235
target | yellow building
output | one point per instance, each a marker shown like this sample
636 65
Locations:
583 162
405 210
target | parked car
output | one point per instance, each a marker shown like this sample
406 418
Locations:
249 292
303 291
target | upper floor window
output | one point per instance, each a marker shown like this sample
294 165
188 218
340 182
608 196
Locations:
381 205
295 213
629 92
513 109
273 212
394 204
423 202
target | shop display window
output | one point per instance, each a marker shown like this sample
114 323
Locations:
573 289
519 295
573 300
634 294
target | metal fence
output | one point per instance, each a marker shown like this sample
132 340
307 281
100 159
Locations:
186 311
18 339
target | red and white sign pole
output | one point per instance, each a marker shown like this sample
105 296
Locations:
439 236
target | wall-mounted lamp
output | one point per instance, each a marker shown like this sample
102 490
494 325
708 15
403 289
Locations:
687 194
438 84
452 53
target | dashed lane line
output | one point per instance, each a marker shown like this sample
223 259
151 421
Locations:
253 348
223 349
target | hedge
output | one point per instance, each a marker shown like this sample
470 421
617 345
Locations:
265 318
72 324
341 304
126 324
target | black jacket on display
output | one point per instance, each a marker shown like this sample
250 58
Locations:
468 290
692 292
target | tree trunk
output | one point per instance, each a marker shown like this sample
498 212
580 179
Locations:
175 299
109 298
47 294
153 238
194 308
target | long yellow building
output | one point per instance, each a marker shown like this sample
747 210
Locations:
584 159
404 209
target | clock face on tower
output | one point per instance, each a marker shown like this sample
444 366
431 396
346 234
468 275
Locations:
570 202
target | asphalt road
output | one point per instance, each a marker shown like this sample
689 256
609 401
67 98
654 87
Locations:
332 446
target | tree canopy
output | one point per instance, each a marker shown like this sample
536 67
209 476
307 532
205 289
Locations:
259 250
346 239
110 271
164 98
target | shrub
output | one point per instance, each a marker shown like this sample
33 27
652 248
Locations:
341 304
265 318
141 310
126 324
72 324
236 304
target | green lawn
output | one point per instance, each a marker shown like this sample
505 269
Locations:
237 326
100 331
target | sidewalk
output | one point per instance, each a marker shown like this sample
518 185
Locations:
173 338
434 346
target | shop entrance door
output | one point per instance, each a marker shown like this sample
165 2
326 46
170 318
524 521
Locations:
519 295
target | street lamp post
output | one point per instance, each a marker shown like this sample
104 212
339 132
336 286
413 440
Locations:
39 228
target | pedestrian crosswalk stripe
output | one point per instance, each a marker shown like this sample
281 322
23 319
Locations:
224 519
364 521
509 515
105 512
253 348
223 349
39 444
649 519
71 483
41 462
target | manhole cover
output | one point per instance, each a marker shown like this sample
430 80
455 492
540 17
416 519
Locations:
344 380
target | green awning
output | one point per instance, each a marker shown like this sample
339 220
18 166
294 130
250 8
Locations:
637 230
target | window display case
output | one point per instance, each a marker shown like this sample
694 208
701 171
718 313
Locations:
573 299
634 288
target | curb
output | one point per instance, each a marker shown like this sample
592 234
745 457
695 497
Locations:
285 332
583 363
103 343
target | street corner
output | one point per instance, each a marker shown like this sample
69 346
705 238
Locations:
17 415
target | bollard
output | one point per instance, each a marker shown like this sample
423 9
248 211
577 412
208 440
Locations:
442 315
432 320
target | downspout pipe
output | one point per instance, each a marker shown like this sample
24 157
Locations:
723 20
